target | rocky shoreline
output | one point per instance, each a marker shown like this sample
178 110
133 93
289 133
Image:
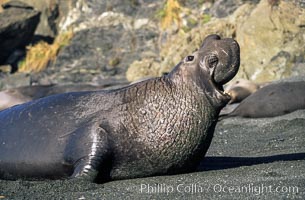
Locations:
126 40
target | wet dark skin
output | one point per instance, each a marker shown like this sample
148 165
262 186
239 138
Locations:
158 126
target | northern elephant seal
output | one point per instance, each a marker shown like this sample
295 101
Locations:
241 89
159 126
238 91
14 96
273 100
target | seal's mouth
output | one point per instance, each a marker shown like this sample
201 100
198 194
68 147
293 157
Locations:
220 93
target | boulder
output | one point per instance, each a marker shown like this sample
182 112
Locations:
271 39
18 22
105 42
52 11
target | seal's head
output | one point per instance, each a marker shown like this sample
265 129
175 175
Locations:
210 67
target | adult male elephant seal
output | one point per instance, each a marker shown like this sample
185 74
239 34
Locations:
159 126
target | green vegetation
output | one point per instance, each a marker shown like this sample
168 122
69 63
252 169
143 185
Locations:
206 18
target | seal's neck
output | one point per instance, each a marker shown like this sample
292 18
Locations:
198 82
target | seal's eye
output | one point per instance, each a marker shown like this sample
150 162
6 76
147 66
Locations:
189 58
212 60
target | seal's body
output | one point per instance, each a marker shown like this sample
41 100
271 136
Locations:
241 89
15 96
158 126
273 100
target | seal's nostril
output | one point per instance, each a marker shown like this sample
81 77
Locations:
212 60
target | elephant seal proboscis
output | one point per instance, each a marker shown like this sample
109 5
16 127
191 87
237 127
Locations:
273 100
158 126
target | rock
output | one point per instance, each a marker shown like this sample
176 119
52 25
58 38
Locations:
142 68
254 157
14 80
298 69
52 11
270 34
104 50
106 40
18 22
16 4
85 57
179 45
95 13
271 38
222 8
5 68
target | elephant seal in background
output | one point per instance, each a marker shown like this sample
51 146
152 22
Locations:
273 100
15 96
158 126
9 98
241 89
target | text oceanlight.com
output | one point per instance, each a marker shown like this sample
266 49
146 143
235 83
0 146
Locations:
217 188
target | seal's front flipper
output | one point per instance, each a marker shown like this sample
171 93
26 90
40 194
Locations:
88 149
85 170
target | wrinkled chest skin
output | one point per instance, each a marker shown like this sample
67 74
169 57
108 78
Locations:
170 130
158 126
